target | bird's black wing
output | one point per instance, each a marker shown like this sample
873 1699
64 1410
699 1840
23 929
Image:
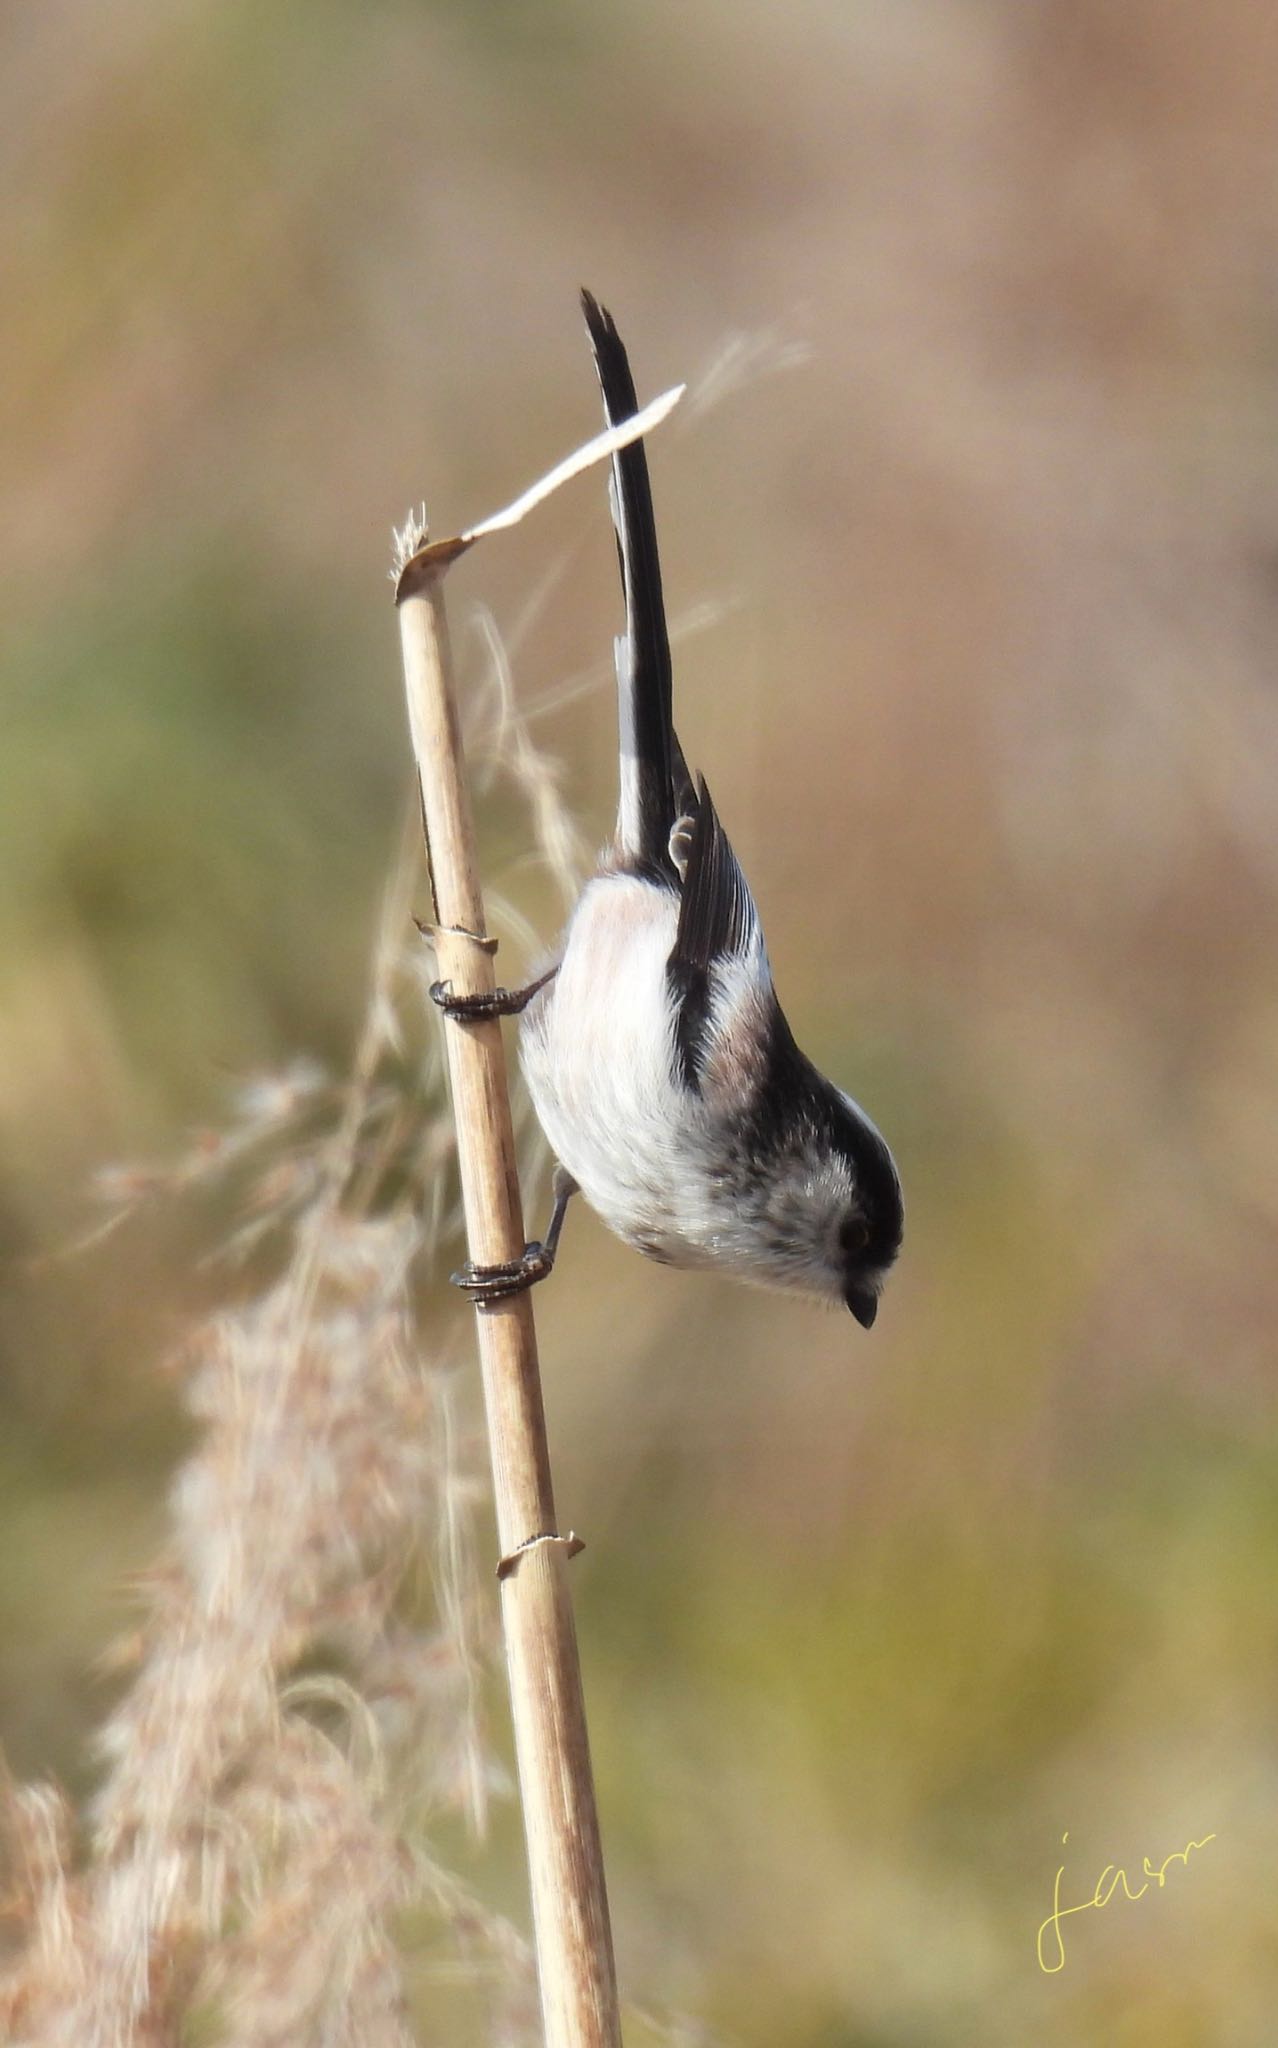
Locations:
717 922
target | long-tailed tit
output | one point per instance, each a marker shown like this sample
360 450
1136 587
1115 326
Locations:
659 1060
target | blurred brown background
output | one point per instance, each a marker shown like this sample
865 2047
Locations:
977 563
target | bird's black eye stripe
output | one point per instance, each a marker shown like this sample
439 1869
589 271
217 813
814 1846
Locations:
854 1235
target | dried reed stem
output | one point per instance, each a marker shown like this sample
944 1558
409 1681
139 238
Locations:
570 1907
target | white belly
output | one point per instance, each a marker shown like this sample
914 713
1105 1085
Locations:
597 1049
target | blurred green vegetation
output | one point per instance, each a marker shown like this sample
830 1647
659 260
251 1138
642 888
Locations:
868 1624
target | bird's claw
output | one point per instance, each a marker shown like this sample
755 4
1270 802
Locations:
485 1284
498 1002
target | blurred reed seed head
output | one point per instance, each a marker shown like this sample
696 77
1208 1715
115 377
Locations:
291 1732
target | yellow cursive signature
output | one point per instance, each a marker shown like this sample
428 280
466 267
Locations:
1103 1894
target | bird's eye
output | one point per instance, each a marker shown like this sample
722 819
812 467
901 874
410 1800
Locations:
854 1235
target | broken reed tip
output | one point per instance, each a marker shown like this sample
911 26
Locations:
434 555
414 554
407 540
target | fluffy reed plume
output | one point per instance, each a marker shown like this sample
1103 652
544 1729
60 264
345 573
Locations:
248 1849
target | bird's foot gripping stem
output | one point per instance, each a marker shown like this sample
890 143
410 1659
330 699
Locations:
498 1002
485 1284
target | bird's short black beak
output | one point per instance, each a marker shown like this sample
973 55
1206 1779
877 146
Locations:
863 1304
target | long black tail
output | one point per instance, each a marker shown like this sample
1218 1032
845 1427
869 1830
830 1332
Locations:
652 770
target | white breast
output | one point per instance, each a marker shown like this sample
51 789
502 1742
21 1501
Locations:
597 1048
